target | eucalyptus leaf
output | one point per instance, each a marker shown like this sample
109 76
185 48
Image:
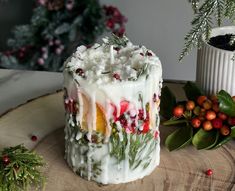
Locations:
168 101
179 138
226 103
205 139
191 90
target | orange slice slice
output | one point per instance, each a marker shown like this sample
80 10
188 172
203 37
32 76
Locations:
101 123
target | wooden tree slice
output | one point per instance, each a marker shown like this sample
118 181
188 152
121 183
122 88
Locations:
179 170
36 117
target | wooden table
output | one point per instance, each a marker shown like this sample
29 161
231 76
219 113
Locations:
181 170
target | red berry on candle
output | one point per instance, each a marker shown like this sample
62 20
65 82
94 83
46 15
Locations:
5 160
117 76
80 72
116 48
34 138
149 53
209 172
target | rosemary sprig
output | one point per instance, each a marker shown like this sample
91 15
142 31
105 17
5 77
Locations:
137 145
117 41
142 71
21 170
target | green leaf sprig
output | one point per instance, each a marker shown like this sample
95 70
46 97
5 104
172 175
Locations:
19 169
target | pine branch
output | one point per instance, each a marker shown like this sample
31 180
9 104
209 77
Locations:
19 169
202 23
230 9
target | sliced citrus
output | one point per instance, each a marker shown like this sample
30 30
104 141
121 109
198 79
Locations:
101 122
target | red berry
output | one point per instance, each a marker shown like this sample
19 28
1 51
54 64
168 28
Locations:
117 76
5 160
201 99
149 53
178 111
225 130
80 72
217 123
231 121
34 138
190 105
110 23
222 116
117 48
210 115
215 107
196 122
209 172
156 134
207 104
207 126
70 105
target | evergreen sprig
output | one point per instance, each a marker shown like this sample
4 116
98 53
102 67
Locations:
119 41
205 12
21 171
55 30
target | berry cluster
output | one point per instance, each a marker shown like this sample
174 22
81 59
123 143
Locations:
205 113
131 121
115 20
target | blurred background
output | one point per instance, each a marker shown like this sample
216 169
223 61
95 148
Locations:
160 25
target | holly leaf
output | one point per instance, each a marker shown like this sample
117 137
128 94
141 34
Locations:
168 101
191 90
226 103
205 139
222 140
179 138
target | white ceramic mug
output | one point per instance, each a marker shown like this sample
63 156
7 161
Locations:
216 67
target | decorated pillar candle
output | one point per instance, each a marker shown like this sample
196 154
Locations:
112 96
